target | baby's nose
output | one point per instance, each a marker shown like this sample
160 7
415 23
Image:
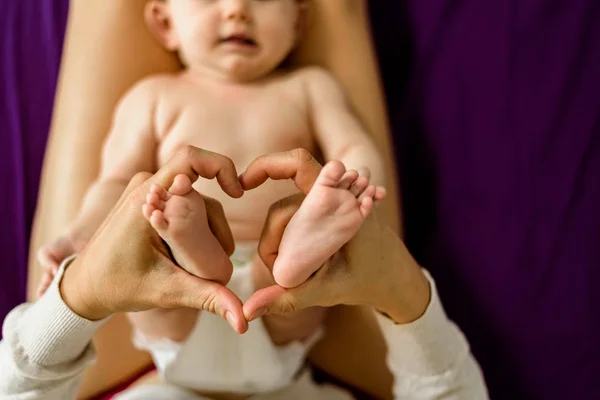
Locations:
236 10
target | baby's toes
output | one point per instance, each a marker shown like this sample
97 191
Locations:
359 186
160 192
181 186
369 192
366 206
154 200
331 174
147 210
158 221
380 193
347 179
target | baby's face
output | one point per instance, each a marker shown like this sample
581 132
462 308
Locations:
238 39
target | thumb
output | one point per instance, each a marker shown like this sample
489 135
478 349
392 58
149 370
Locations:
274 300
186 290
321 289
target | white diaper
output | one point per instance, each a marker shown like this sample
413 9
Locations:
214 358
244 254
304 388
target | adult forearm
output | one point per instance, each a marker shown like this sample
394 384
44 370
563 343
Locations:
409 304
427 353
430 357
46 349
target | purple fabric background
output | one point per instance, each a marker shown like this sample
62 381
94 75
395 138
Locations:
496 114
495 107
31 36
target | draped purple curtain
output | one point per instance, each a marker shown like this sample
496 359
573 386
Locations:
495 107
31 36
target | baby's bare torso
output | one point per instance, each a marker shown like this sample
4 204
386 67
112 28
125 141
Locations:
242 122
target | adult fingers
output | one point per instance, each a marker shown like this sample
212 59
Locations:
185 290
279 215
326 288
218 224
278 300
195 162
268 298
136 183
134 195
298 165
137 180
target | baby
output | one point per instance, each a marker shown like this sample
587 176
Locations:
233 98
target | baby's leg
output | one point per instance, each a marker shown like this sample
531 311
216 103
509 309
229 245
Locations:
179 217
329 217
158 323
284 329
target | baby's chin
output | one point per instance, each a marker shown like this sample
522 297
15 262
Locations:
242 69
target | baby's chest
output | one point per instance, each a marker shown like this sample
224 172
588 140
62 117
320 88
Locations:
241 130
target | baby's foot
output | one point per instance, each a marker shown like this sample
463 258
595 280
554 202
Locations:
329 217
179 217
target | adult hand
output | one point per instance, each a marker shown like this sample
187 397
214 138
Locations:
374 268
126 266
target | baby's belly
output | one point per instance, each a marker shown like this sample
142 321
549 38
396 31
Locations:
246 216
242 143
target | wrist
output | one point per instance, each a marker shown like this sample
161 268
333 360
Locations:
408 307
406 294
76 295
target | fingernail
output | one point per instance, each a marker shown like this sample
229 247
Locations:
259 313
231 319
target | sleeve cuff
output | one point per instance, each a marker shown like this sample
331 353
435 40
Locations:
429 346
51 333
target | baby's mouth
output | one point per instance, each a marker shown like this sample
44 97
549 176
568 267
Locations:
240 40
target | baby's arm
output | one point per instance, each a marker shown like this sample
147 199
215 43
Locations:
129 149
338 132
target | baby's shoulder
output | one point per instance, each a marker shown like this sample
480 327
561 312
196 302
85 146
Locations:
319 83
317 80
314 75
146 93
154 85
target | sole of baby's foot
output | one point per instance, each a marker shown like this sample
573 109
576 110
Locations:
179 217
328 218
